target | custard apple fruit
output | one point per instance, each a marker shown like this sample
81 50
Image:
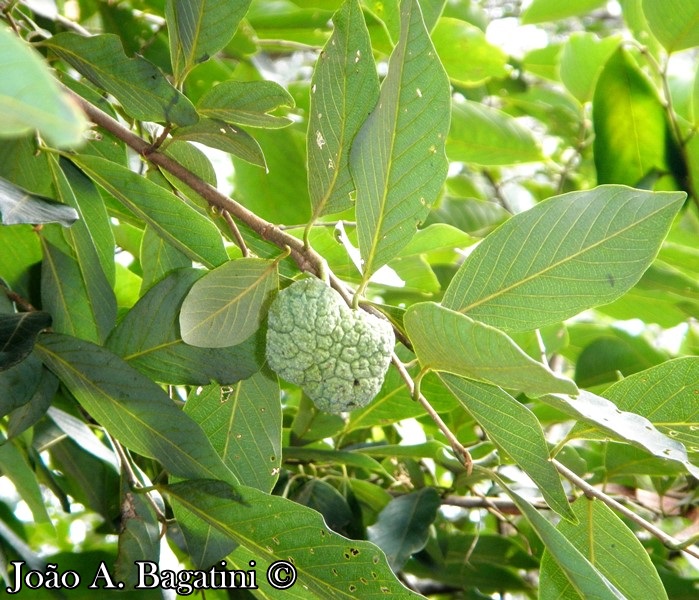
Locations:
337 355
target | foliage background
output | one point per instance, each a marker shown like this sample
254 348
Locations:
556 359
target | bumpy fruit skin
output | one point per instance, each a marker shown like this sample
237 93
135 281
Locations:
337 355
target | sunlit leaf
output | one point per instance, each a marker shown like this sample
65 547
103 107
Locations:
631 132
540 11
244 424
610 422
582 60
30 97
487 136
149 339
562 256
674 22
454 39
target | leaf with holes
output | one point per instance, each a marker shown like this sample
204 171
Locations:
397 159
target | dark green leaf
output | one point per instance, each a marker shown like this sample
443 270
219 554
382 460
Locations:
199 28
27 415
246 103
17 335
225 307
175 221
397 159
324 498
131 407
330 565
137 84
445 340
19 384
19 206
402 527
344 90
149 339
585 253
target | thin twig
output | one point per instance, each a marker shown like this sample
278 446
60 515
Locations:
461 453
593 492
236 233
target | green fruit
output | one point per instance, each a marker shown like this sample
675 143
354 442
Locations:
338 356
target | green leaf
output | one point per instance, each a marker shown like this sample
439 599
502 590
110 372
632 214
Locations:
176 222
344 90
225 307
540 11
20 206
321 496
30 97
99 299
199 28
138 85
397 159
487 136
515 429
564 255
18 333
583 576
139 537
149 339
321 456
19 384
246 103
610 546
279 194
583 58
14 465
445 340
631 133
244 425
131 407
27 415
71 292
666 395
403 525
328 564
225 137
158 259
610 422
455 39
674 22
